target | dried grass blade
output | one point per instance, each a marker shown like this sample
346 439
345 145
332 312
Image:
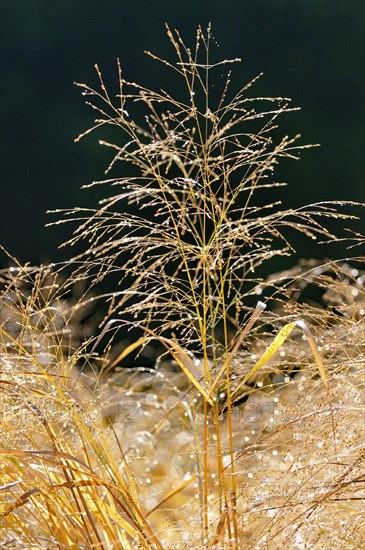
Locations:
222 521
61 532
255 315
302 325
186 365
23 499
180 356
317 356
271 350
172 493
129 349
108 516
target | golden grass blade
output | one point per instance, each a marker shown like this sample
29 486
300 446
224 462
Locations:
178 353
186 365
172 493
43 453
302 325
107 515
58 527
317 356
8 485
129 349
271 350
19 346
260 307
23 499
255 315
220 526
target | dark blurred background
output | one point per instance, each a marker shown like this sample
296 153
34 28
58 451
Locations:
312 51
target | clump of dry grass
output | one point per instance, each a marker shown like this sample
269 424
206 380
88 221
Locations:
83 459
62 486
241 439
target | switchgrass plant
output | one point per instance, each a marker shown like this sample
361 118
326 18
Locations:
239 438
